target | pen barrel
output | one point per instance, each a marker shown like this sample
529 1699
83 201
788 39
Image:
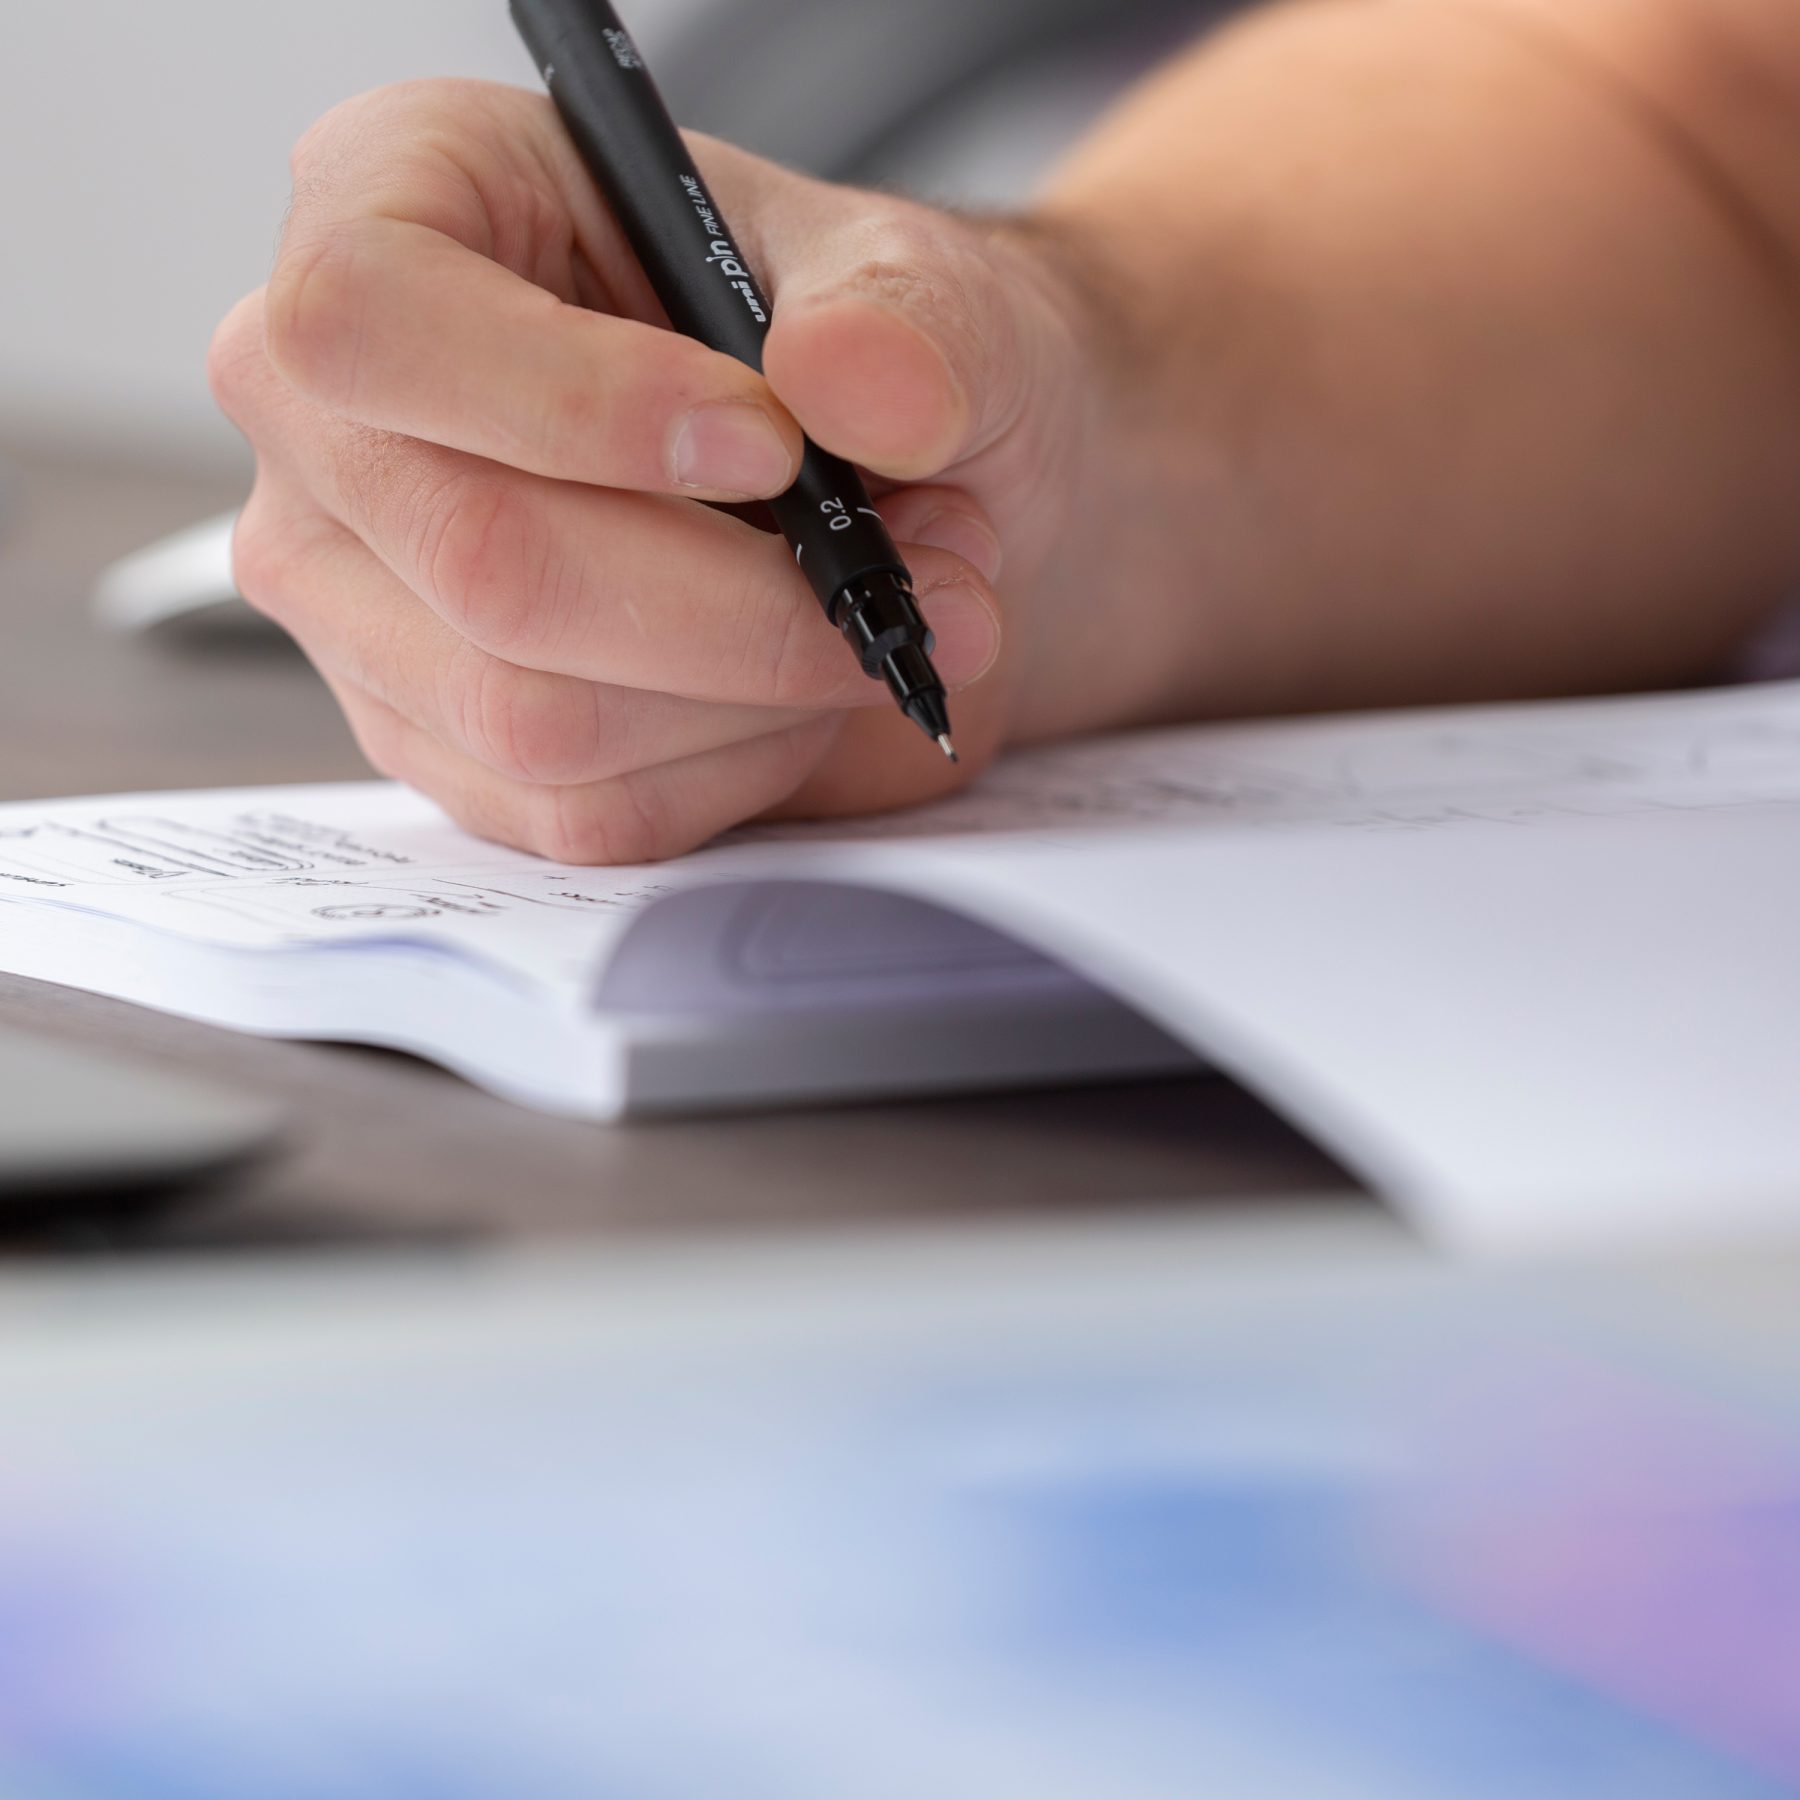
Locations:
615 114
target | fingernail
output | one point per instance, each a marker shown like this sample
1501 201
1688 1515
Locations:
733 449
967 630
964 535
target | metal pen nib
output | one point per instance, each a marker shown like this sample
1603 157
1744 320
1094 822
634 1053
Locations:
882 622
923 704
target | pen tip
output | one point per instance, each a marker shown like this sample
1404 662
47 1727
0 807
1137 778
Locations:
948 748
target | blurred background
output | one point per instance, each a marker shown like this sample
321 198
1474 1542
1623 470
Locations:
143 149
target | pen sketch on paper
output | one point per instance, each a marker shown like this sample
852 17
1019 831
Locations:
330 862
1507 766
263 875
147 848
298 903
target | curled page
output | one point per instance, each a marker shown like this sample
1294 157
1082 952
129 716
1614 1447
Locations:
1531 970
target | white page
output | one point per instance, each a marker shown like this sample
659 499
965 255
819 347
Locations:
1584 1038
357 912
1531 969
351 863
1535 972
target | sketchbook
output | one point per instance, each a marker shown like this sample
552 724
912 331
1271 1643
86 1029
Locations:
1531 971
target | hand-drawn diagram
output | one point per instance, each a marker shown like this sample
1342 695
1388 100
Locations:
1147 786
308 906
1384 773
1158 780
1462 762
307 880
146 848
375 912
1513 767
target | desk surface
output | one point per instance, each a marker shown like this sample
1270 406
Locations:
385 1147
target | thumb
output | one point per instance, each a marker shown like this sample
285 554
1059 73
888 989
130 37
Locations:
897 341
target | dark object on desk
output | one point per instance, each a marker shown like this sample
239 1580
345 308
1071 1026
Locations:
86 1138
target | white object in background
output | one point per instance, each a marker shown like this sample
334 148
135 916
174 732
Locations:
182 578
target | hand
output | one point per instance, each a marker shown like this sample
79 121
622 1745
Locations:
484 476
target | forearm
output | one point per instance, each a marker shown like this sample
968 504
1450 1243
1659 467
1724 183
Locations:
1438 371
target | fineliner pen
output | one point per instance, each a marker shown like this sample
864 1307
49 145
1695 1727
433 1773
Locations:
623 130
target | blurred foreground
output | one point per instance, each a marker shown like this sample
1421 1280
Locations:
1152 1511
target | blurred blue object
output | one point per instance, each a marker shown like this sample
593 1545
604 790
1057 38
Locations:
1118 1517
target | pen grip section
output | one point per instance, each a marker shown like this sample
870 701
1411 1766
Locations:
839 539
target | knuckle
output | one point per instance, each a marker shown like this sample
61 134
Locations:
236 360
310 319
261 563
318 143
615 824
813 670
750 636
321 149
476 549
559 424
894 259
570 421
532 728
798 659
907 262
779 674
378 737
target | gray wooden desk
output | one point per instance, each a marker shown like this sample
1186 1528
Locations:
387 1147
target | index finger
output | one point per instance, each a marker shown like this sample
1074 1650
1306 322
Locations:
428 283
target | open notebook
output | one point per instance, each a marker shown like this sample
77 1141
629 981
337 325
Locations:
1533 971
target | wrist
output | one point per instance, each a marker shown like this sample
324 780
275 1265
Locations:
1108 600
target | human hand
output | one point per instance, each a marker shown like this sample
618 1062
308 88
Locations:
483 476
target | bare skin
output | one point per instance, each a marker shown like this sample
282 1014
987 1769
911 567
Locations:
1378 351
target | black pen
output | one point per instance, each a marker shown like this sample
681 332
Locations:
617 118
